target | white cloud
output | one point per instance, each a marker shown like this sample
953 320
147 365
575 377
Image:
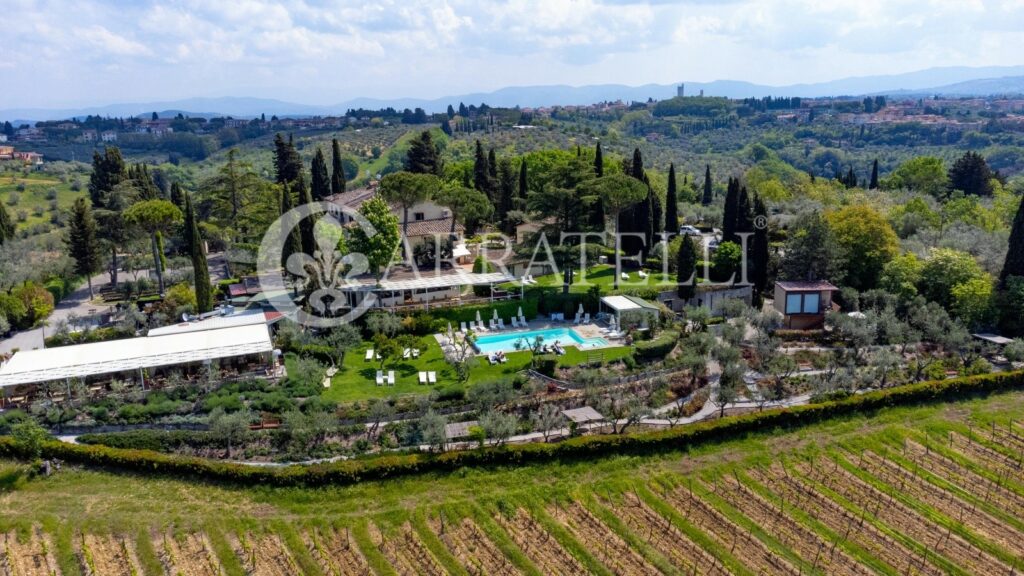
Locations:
324 51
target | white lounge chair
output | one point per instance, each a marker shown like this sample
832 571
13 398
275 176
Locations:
406 353
501 323
523 322
369 355
515 322
493 324
586 318
492 359
391 377
432 377
380 377
415 352
624 276
423 377
642 274
576 320
463 326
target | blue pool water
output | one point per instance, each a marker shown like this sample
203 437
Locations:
563 336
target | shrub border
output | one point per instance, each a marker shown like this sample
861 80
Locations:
575 449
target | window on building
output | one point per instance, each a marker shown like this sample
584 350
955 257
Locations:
809 303
418 216
812 303
793 303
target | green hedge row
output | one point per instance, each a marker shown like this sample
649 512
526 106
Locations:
575 449
155 440
506 310
659 347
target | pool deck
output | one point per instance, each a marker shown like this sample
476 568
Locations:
590 330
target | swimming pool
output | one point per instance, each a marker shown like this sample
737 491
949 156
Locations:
563 336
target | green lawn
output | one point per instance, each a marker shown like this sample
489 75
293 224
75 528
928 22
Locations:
603 275
356 378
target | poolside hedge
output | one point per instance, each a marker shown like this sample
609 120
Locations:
575 449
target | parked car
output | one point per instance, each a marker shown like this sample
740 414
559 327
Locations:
689 231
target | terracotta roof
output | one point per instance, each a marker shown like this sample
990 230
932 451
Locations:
815 286
352 198
431 227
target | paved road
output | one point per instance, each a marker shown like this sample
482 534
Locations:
78 304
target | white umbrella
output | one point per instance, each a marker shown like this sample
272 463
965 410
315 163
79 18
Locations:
449 329
520 311
495 313
478 320
580 311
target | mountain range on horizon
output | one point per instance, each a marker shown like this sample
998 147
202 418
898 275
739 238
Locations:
945 81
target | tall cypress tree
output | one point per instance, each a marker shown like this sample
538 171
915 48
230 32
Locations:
492 176
598 161
6 225
759 251
201 273
337 170
320 181
672 203
82 243
481 170
686 269
874 175
177 196
744 212
657 218
730 211
1014 264
287 163
306 224
523 191
709 194
292 242
637 165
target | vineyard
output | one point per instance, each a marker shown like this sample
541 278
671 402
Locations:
925 490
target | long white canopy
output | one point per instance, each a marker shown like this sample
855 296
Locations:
31 366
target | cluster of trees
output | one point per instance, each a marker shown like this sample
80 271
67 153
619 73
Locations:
124 203
970 175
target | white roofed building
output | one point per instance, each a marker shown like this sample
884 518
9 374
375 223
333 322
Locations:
237 350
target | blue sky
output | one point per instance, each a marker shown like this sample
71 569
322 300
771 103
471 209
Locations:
92 52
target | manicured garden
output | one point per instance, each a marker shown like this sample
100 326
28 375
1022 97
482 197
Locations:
356 377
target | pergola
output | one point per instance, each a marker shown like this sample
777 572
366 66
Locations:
114 356
617 305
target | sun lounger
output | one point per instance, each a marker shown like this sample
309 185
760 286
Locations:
406 353
432 377
523 322
586 318
501 323
415 352
624 276
493 324
369 355
391 377
380 377
463 326
423 377
492 359
515 323
576 320
642 274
